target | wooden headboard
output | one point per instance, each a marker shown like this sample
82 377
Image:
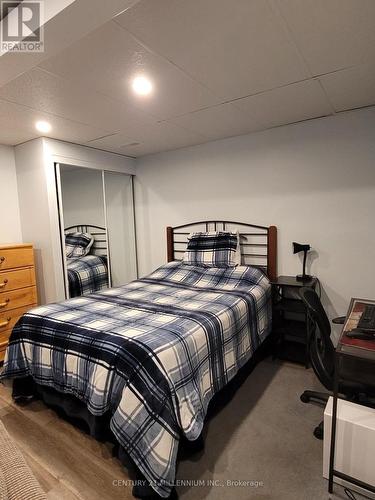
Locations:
99 247
258 243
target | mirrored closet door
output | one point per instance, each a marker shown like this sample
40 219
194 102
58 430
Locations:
119 206
97 228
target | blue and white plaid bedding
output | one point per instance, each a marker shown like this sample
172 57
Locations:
87 274
153 353
213 249
78 244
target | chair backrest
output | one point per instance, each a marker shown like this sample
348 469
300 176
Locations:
321 349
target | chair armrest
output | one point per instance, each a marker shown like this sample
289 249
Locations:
340 320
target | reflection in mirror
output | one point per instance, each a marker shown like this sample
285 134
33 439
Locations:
120 225
86 247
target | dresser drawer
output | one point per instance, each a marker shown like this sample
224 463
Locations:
17 298
4 338
2 354
16 257
11 280
9 318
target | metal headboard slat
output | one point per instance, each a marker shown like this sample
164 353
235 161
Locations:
249 231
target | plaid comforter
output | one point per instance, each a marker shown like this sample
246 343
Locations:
87 274
153 353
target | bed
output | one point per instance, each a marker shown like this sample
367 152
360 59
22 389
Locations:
88 273
145 359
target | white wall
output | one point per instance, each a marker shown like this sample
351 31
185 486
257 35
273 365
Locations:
314 180
34 213
10 225
83 156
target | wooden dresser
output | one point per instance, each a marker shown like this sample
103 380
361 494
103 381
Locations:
17 288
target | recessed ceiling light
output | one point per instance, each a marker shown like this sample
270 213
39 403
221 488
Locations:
43 127
142 85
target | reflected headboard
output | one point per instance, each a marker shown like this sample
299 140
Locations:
258 243
99 247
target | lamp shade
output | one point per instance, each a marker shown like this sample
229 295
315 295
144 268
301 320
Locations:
299 247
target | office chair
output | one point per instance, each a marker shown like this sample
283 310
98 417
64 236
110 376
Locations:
321 352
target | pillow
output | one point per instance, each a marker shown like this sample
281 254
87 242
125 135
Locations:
212 249
78 244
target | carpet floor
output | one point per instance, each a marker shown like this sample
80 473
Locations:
259 446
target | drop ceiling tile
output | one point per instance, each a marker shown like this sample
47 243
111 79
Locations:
71 24
234 48
108 59
153 148
154 138
49 93
219 121
350 88
17 126
113 141
332 34
289 104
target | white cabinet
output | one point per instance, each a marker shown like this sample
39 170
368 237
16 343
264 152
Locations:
355 443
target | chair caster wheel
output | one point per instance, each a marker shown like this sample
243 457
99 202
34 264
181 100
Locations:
304 398
318 432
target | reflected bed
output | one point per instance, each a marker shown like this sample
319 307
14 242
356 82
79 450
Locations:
88 273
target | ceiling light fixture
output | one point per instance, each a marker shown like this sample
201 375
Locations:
43 127
142 85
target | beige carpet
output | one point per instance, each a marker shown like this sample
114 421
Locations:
259 446
264 434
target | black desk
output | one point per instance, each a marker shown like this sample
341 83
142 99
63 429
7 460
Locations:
351 353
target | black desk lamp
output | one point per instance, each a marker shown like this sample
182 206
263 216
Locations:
297 248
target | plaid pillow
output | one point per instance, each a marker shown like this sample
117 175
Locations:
213 249
78 244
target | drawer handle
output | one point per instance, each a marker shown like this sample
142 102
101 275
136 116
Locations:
4 304
2 259
5 323
3 283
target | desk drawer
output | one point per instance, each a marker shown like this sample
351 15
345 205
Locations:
11 280
16 257
9 318
17 298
